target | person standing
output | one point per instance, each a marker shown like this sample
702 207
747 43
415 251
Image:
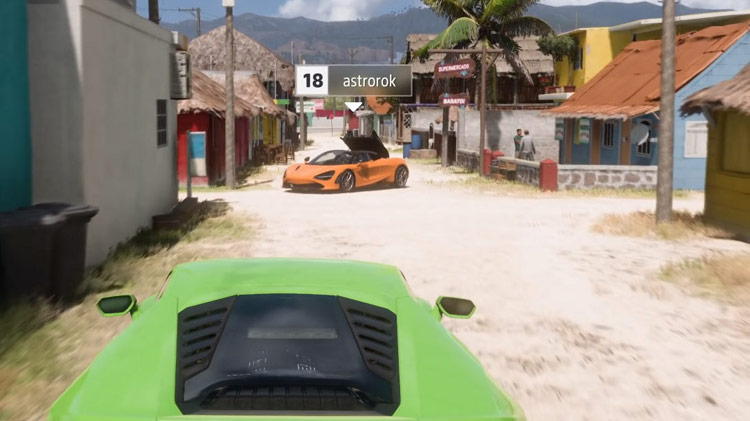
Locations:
527 147
517 142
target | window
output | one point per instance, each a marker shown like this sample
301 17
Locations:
736 143
696 139
578 64
644 148
641 137
161 122
608 141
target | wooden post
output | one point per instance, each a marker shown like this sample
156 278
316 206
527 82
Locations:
665 172
229 112
482 109
189 177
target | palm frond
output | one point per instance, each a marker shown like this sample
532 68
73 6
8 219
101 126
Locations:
447 9
502 10
461 32
525 26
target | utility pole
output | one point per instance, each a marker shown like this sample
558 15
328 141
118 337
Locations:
352 52
483 109
482 95
229 112
665 172
196 12
292 54
390 41
153 11
303 123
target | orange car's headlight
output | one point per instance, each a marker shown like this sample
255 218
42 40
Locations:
325 176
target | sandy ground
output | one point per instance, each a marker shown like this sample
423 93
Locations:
571 323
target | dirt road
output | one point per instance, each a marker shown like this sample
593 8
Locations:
573 324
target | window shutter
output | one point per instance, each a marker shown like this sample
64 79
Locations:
696 139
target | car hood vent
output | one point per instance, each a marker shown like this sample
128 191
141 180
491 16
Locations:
199 330
374 330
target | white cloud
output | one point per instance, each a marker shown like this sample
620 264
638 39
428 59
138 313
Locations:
328 10
703 4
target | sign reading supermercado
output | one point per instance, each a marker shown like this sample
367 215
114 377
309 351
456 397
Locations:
353 80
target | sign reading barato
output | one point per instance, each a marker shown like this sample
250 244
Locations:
450 100
353 80
463 68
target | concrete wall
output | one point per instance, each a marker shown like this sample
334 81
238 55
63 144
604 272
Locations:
15 158
502 126
97 71
606 176
421 119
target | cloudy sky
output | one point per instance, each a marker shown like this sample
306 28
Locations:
350 9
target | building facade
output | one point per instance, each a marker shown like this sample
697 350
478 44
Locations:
614 119
103 122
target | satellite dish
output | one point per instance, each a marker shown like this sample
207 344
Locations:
641 132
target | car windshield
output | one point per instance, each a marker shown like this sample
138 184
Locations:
332 158
290 344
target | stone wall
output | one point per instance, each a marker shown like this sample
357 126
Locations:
467 159
606 177
527 172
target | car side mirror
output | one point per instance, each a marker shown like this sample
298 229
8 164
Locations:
117 305
457 308
307 158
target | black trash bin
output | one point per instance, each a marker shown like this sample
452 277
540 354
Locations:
69 259
27 253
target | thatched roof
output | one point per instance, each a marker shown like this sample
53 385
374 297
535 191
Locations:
732 94
207 52
210 97
247 85
535 61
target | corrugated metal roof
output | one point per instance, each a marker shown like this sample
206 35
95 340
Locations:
630 85
535 60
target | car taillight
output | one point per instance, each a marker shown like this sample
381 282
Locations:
325 176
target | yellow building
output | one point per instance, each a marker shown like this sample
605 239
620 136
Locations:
598 46
728 166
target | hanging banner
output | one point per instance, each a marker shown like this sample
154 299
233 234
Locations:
453 100
584 130
560 129
463 68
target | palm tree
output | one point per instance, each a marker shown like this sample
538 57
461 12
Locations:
492 23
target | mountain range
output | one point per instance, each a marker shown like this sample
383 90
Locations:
365 40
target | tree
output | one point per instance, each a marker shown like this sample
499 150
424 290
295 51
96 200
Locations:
560 47
493 23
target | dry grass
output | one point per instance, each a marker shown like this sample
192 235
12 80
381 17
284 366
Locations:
643 224
725 277
43 348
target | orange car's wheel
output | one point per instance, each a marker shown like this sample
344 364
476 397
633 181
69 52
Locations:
346 181
402 174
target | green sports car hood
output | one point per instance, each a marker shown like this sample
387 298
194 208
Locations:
134 378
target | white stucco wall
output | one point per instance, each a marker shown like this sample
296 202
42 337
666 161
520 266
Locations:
95 139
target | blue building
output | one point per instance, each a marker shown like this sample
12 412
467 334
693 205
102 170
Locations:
15 157
614 118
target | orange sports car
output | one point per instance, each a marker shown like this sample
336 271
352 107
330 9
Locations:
365 163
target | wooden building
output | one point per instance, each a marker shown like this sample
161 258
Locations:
727 107
201 121
508 88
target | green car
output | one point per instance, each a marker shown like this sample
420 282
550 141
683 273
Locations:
285 339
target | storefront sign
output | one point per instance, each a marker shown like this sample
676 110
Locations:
463 68
453 100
